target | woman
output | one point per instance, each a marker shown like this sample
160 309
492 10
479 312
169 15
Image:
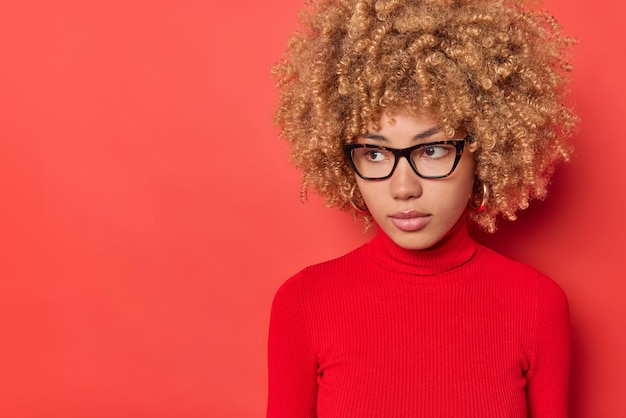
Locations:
421 116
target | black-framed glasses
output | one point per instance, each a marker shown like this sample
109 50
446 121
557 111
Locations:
430 160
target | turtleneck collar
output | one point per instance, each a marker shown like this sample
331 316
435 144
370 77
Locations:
454 249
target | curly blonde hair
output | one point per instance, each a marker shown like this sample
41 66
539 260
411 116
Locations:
495 68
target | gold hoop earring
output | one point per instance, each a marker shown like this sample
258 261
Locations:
472 201
358 210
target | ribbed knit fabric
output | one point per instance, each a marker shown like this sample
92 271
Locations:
453 331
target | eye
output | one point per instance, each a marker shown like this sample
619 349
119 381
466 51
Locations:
436 151
374 155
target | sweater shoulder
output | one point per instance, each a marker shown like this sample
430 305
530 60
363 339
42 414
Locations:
338 265
520 273
316 275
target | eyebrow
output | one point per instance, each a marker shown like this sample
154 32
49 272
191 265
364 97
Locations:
423 135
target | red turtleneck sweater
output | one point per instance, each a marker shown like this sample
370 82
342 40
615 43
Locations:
453 331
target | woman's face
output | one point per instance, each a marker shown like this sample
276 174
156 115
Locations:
415 212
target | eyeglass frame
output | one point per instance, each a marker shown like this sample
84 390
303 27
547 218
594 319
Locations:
458 143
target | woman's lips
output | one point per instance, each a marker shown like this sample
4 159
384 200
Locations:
410 221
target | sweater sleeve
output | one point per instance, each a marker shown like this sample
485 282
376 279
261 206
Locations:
292 368
548 375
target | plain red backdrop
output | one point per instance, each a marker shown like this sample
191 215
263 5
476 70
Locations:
149 212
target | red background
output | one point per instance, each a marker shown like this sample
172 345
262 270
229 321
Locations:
148 211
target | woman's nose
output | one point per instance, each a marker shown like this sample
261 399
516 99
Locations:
405 183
